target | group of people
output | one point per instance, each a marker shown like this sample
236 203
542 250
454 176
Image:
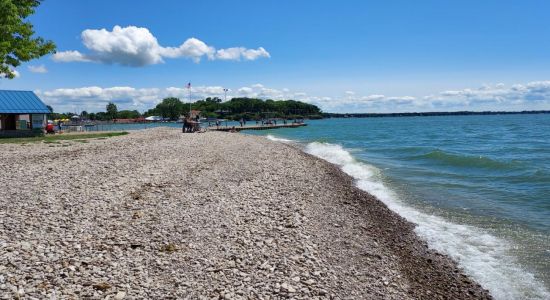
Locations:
190 125
52 129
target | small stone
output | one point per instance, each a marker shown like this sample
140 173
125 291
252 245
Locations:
288 288
309 282
120 295
20 293
102 286
26 245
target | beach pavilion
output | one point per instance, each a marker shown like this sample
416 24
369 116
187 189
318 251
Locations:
22 113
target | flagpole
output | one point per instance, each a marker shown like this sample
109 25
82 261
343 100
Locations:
189 90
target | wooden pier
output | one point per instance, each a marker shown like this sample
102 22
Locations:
255 127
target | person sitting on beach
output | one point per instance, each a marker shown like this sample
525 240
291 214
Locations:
50 128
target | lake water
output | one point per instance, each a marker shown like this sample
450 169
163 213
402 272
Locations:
478 187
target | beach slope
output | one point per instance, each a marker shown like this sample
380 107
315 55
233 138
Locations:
161 214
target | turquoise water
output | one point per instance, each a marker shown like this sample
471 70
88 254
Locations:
477 186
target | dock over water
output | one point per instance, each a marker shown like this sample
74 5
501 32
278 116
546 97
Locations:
255 127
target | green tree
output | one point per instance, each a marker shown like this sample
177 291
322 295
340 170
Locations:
170 108
128 114
112 110
102 116
17 43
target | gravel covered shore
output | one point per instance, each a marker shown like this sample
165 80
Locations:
158 214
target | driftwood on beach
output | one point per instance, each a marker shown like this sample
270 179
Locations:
159 214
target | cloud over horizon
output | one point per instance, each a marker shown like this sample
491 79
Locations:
137 46
531 96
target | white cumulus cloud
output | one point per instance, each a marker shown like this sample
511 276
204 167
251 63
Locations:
137 46
38 69
95 98
192 48
531 96
70 56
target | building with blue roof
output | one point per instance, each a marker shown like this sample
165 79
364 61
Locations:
22 113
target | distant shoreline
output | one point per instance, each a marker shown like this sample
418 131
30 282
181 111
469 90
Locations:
431 114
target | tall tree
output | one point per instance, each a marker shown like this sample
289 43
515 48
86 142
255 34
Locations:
128 114
170 108
112 110
17 43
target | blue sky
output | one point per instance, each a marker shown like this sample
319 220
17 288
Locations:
345 56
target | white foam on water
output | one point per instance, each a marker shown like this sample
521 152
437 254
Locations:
484 257
278 139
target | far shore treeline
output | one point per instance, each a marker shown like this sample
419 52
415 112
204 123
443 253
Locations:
234 109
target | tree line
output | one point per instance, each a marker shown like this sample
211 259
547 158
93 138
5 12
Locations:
111 112
173 108
236 108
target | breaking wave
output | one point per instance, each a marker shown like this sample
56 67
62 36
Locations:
277 139
483 256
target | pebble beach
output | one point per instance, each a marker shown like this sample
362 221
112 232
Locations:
157 214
